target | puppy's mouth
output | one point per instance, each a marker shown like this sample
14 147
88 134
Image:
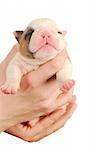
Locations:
47 46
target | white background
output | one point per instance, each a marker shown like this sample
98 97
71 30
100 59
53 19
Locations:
81 18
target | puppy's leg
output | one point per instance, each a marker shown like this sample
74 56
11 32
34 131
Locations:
64 75
13 77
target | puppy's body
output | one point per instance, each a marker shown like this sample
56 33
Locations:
40 42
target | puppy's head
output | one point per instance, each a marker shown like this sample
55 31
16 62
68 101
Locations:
42 39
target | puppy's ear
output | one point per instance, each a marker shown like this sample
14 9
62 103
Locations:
17 34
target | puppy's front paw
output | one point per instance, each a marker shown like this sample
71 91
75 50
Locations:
67 86
7 88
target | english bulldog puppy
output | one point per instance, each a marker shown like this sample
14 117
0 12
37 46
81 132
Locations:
41 41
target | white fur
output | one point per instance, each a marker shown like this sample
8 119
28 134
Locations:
20 65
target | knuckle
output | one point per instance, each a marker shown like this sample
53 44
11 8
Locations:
56 65
47 107
32 80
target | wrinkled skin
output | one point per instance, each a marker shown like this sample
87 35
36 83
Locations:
46 31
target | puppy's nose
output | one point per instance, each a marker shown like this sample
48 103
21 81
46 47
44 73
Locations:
46 35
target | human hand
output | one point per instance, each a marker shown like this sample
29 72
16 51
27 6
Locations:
44 126
36 102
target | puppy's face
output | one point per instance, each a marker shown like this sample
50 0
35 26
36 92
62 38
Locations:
42 39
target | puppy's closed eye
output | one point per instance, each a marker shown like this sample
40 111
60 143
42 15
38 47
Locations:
29 34
59 32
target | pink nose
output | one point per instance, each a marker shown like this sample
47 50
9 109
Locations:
46 35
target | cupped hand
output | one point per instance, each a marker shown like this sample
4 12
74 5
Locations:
33 88
45 125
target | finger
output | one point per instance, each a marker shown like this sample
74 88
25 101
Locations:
64 98
46 89
31 123
58 124
49 91
36 77
25 134
45 122
53 102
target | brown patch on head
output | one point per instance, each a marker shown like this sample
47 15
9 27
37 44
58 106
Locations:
24 45
24 49
24 40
